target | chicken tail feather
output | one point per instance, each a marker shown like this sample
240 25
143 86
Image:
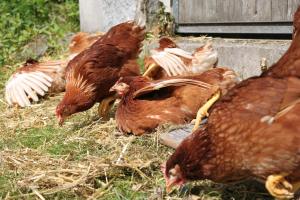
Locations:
156 85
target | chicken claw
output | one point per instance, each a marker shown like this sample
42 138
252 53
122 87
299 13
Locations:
150 69
105 106
279 187
202 112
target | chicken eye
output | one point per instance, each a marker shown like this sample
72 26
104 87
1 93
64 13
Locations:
172 172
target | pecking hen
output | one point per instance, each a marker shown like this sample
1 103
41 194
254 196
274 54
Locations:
252 132
35 79
90 74
146 104
170 60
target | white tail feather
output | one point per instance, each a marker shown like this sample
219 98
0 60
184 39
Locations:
17 96
45 76
179 52
37 82
30 92
22 96
34 86
41 79
161 62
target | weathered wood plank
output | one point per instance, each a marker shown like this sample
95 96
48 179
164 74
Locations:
236 11
210 9
292 7
262 11
279 10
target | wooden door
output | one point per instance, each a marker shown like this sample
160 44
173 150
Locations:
278 13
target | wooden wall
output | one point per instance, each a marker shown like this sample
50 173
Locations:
236 11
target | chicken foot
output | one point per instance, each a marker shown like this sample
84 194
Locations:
279 187
150 69
105 106
203 111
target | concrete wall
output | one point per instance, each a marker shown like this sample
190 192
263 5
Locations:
242 55
100 15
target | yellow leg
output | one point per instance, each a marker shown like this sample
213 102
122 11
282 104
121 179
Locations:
105 106
202 112
278 187
150 69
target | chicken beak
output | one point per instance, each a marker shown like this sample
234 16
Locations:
169 184
60 120
113 88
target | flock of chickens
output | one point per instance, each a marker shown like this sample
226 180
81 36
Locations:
252 129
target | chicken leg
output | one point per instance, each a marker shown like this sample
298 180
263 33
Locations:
279 187
203 111
150 69
105 106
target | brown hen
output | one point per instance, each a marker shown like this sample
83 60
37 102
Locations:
90 74
252 132
146 104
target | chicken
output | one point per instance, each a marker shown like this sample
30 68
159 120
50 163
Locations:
35 79
146 104
169 60
252 132
175 61
244 136
80 41
90 75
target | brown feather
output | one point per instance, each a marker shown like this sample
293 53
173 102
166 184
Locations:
173 103
91 73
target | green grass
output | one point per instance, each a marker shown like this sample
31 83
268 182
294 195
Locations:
22 22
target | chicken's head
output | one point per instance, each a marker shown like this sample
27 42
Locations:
166 42
66 108
63 111
206 57
173 177
190 161
120 88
